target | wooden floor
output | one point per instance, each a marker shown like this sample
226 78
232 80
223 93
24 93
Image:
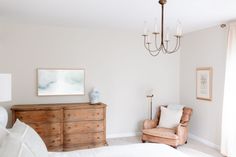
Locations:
192 148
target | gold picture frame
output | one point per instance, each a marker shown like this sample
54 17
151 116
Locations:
204 83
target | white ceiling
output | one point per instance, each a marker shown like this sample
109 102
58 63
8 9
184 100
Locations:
119 14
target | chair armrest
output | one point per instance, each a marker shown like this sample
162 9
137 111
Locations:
149 124
182 132
185 124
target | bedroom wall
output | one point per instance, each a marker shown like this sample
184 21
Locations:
203 49
114 61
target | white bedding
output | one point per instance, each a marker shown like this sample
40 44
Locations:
133 150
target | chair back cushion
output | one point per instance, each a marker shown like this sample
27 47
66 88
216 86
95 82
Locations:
187 112
170 118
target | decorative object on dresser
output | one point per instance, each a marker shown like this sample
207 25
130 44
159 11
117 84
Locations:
60 82
5 95
65 127
204 83
94 96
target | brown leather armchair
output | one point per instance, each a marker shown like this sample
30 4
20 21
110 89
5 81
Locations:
170 136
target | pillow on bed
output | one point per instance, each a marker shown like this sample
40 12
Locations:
170 118
3 133
29 138
11 146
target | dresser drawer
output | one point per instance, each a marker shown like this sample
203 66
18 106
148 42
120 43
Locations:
83 138
83 127
53 142
47 129
83 114
39 116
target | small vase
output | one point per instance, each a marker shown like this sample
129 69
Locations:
94 96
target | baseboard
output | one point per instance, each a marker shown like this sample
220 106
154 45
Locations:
120 135
203 141
192 136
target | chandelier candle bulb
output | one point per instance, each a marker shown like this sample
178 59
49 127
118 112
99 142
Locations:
155 26
147 39
167 35
179 29
145 30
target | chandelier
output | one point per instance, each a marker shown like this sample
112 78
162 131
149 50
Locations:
164 44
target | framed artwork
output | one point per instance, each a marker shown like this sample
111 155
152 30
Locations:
52 82
204 83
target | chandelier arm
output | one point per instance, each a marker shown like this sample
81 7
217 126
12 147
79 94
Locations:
151 51
157 49
176 46
147 46
154 54
166 46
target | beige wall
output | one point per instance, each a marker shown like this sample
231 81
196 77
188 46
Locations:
115 62
203 49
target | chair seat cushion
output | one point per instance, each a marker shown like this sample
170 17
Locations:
162 132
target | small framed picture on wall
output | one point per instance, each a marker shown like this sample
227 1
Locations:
204 83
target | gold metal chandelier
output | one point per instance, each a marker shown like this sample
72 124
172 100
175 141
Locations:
164 45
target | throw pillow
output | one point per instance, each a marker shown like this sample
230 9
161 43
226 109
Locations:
3 133
169 118
11 146
30 138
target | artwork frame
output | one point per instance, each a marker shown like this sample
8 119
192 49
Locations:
60 82
204 83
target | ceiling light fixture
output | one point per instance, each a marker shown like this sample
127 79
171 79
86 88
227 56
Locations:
164 45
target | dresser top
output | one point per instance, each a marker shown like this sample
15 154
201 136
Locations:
57 106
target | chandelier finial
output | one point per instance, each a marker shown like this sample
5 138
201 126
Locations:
162 2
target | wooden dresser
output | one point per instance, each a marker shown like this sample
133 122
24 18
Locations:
65 127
